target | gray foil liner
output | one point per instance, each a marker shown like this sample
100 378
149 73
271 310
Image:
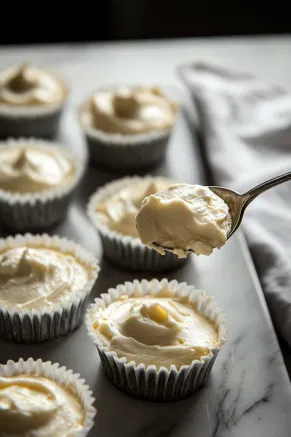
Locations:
39 211
60 375
124 250
43 125
127 154
150 383
47 323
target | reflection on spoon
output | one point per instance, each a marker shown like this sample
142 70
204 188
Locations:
194 218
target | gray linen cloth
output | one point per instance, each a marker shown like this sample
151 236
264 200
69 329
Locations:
246 130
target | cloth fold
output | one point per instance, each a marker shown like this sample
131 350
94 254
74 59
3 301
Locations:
246 130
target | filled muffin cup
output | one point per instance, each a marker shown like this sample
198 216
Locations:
40 121
62 376
124 250
48 322
41 210
123 152
150 382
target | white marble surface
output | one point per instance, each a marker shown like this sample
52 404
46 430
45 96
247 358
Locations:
249 391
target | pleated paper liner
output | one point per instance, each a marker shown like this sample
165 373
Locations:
38 211
152 383
47 323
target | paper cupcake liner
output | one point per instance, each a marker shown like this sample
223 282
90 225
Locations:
37 211
119 153
41 124
148 382
124 250
61 375
41 121
47 323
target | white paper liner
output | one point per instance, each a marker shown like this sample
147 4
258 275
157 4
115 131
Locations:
122 249
47 323
121 153
30 122
61 375
38 211
46 127
149 382
124 151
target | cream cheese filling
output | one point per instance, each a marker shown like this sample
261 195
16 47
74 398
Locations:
184 217
33 278
31 169
32 405
118 212
27 85
131 110
154 330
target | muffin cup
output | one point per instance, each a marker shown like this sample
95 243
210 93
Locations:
40 121
47 323
61 375
124 152
148 382
124 250
38 211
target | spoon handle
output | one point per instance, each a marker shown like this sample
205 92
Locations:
259 189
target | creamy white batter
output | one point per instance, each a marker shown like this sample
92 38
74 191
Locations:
119 211
35 406
133 110
31 169
27 85
160 330
33 278
182 218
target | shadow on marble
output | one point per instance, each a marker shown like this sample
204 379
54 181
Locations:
122 415
286 352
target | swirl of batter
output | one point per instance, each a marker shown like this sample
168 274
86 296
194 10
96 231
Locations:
27 85
154 330
35 405
33 278
31 170
132 110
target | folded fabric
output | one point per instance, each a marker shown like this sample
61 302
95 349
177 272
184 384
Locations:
246 129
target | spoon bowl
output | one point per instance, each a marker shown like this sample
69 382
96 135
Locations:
236 205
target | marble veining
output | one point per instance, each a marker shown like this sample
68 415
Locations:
249 392
232 406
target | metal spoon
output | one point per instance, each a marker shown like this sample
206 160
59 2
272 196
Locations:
237 203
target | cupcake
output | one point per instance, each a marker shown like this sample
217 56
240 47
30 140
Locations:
157 340
43 399
31 102
45 283
113 209
128 128
37 182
